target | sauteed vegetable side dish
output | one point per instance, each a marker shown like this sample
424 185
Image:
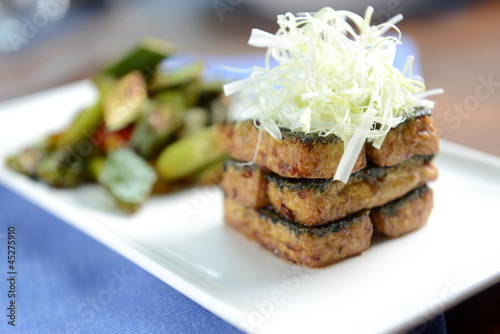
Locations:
148 131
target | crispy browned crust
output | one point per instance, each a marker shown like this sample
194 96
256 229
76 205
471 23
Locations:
330 200
312 247
316 202
245 184
415 136
403 215
288 157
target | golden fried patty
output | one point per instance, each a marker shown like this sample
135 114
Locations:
301 155
309 246
296 155
417 135
244 184
315 202
405 214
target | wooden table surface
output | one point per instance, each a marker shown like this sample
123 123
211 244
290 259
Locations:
459 48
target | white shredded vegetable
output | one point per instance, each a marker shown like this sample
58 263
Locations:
334 75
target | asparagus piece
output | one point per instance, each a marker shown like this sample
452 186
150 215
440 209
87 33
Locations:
63 168
190 154
94 166
161 118
27 160
173 79
104 82
128 178
123 104
144 57
83 126
89 118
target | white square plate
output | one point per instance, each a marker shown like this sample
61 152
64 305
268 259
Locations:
181 238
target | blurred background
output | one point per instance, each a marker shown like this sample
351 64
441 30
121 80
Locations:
47 43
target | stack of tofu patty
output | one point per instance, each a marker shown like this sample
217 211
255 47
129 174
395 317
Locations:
288 201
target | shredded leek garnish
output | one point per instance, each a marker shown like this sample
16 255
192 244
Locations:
334 75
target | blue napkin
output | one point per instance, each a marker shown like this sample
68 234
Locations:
67 282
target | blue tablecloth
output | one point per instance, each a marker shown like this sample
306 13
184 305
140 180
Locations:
67 282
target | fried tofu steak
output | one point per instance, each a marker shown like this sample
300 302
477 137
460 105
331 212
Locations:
417 135
324 245
310 246
405 214
314 202
244 184
308 155
296 155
